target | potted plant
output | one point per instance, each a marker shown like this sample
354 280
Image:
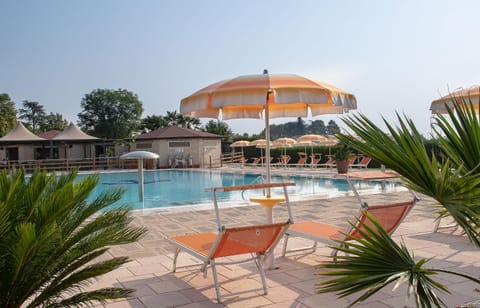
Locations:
341 157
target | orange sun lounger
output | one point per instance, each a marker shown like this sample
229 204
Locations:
389 215
258 241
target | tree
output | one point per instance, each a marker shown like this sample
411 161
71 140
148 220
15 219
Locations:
317 127
178 119
53 122
54 240
153 122
110 114
33 114
301 127
218 127
332 128
453 180
8 114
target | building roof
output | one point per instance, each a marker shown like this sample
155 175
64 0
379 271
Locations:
20 133
72 132
49 135
174 132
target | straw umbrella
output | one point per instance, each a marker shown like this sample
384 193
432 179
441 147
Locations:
284 143
314 138
330 141
261 144
240 144
269 95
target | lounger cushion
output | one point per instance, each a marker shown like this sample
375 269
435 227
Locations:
316 229
200 242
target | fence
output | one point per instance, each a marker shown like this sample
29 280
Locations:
231 158
70 164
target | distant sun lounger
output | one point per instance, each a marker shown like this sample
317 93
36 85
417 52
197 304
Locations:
364 162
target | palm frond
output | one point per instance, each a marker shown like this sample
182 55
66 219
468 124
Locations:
374 261
403 151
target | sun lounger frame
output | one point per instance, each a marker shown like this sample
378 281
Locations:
258 257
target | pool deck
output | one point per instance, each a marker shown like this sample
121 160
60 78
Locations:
293 283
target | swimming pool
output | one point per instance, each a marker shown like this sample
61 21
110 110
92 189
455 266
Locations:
171 188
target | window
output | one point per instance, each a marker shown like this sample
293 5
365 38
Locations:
179 144
144 145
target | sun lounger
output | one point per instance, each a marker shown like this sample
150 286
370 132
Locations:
259 241
364 162
330 163
302 160
389 215
282 161
255 161
314 160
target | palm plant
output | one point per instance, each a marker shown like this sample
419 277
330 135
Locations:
375 261
51 236
453 181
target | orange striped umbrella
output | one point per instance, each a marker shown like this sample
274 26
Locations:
270 96
464 95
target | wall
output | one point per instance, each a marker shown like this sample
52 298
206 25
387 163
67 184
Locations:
198 149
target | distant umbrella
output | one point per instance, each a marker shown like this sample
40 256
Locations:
313 138
240 144
306 143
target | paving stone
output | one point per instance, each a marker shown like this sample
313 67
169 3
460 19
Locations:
293 284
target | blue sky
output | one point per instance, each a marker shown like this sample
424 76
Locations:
393 55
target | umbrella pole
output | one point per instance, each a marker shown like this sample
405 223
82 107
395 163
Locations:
267 138
140 179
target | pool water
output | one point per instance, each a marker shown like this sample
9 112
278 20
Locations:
167 188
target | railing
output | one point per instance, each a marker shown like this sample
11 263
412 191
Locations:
231 158
70 164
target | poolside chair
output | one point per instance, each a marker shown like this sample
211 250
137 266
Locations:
351 160
314 160
255 161
282 161
330 163
302 160
389 215
259 241
364 162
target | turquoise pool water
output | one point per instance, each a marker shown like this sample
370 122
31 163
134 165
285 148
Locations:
167 188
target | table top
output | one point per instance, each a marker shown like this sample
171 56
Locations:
268 201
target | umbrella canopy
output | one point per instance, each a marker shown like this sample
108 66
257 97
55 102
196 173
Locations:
464 95
257 142
306 143
240 144
254 96
284 141
312 137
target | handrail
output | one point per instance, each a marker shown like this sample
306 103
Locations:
250 186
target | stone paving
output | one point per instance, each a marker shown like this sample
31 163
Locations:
293 283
